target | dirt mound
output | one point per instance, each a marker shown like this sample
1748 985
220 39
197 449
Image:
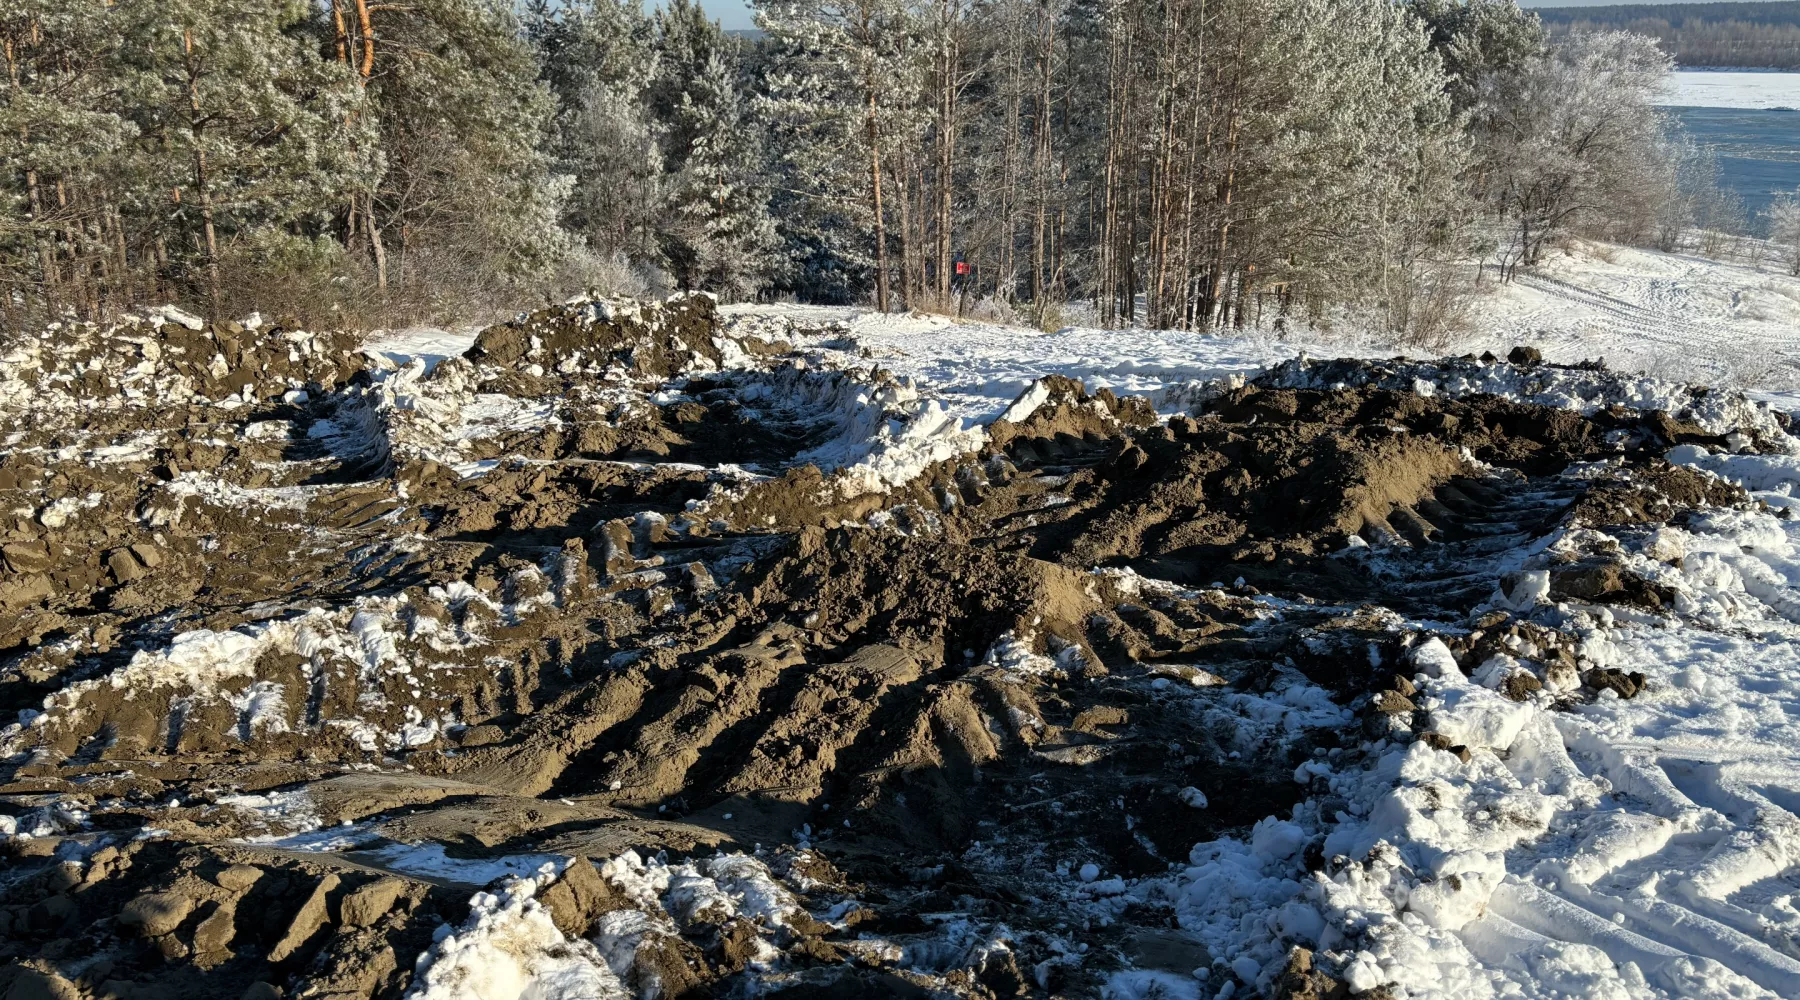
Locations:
139 373
207 921
1588 389
119 433
1286 489
829 691
620 381
1651 493
647 341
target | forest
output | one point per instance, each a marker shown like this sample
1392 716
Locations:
1175 163
1748 35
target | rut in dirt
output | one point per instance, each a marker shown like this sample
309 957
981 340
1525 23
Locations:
589 591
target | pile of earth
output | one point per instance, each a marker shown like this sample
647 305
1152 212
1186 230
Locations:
822 691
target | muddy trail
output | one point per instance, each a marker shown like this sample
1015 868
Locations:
726 666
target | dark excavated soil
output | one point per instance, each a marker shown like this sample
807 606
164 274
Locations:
647 656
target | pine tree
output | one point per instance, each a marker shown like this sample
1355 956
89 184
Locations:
462 122
842 86
243 123
62 137
597 59
721 237
1480 40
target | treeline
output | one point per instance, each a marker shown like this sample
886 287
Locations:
1186 163
236 153
1750 35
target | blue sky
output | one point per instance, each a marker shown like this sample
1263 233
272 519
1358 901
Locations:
729 13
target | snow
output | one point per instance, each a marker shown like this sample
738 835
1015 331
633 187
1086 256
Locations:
979 369
1675 315
430 861
1773 478
879 432
1620 848
1714 88
429 344
510 949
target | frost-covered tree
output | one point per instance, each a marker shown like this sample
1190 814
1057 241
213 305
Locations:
184 148
597 58
241 122
463 123
144 136
1784 227
1364 159
1575 136
1480 40
841 85
62 136
1259 148
719 235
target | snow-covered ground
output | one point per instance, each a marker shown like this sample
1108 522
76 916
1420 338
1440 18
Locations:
979 368
1641 848
1708 88
1675 315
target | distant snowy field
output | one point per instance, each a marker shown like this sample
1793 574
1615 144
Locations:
1672 315
1705 88
978 368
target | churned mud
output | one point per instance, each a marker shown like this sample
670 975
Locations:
822 695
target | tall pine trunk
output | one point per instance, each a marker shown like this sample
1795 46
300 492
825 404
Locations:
881 266
946 150
376 248
201 180
212 237
46 256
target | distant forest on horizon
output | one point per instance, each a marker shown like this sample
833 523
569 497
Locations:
1741 35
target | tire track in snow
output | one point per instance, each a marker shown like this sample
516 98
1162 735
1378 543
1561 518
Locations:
1660 327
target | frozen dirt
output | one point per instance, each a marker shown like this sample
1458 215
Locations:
656 650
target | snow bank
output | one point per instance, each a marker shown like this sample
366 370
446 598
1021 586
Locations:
1620 848
876 430
1772 479
510 949
1648 869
